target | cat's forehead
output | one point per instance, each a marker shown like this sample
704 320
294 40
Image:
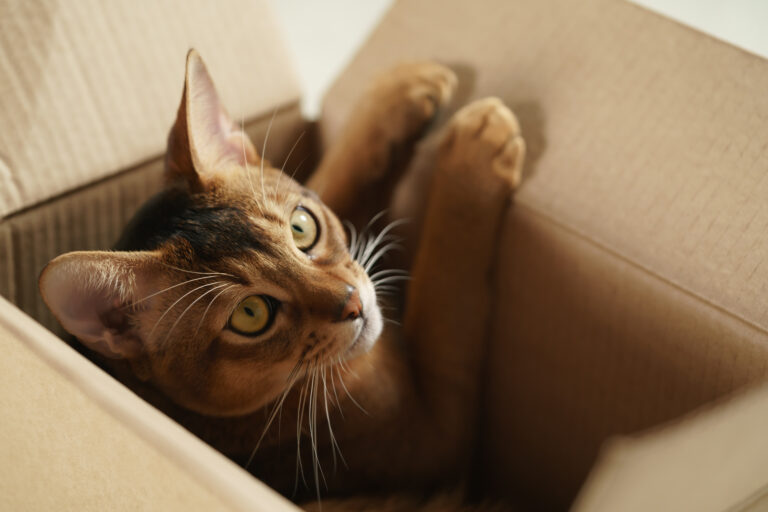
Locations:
223 220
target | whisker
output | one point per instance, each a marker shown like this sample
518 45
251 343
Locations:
389 227
352 236
312 417
378 255
334 445
383 290
202 319
300 414
367 249
178 319
290 381
198 273
149 336
248 169
264 152
373 220
335 393
344 386
390 279
287 204
390 271
169 288
282 169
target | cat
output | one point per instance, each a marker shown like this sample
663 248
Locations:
236 302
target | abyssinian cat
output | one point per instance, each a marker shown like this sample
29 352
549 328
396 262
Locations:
236 302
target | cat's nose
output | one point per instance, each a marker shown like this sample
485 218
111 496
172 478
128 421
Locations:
353 308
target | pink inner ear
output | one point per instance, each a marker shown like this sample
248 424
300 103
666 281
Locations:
80 311
214 139
87 293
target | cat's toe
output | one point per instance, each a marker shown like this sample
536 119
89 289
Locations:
411 95
486 135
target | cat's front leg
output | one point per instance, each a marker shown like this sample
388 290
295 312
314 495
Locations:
448 306
360 170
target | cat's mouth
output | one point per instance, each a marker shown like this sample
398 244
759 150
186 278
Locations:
367 331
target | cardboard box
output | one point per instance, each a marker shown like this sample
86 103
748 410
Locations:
630 284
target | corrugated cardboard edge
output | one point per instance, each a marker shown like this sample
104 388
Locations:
212 470
714 459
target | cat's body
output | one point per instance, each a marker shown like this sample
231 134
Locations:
371 409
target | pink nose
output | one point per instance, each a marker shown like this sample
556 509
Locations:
353 307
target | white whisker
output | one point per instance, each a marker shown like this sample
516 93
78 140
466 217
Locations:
282 169
290 381
334 445
178 319
170 288
352 237
202 319
335 393
390 279
312 417
300 414
264 152
248 169
389 227
344 386
373 220
378 255
149 336
387 272
198 273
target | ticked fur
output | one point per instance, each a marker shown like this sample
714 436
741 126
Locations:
327 400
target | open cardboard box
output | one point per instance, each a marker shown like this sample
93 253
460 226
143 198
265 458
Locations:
630 286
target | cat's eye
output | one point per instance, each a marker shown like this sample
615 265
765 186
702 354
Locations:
253 315
304 228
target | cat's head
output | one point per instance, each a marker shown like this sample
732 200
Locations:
226 282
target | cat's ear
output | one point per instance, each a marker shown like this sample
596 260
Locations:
204 139
90 293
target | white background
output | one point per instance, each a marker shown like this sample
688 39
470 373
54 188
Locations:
324 35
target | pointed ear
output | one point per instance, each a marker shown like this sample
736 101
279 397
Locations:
91 293
204 138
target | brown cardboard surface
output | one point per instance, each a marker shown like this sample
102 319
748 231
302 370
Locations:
588 346
631 275
72 438
630 278
714 460
91 87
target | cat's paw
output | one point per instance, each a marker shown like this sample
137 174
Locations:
485 134
406 99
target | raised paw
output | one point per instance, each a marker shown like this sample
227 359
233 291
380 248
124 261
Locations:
484 135
404 100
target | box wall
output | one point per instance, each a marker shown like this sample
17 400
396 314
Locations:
589 346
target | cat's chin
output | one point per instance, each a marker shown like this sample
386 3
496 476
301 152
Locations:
366 336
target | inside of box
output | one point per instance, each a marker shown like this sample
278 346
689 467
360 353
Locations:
629 285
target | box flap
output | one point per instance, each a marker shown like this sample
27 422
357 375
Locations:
714 460
90 88
76 439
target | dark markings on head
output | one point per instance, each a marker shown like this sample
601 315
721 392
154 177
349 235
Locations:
213 231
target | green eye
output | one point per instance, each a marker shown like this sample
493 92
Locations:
303 228
252 316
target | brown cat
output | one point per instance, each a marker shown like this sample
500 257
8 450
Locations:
236 303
